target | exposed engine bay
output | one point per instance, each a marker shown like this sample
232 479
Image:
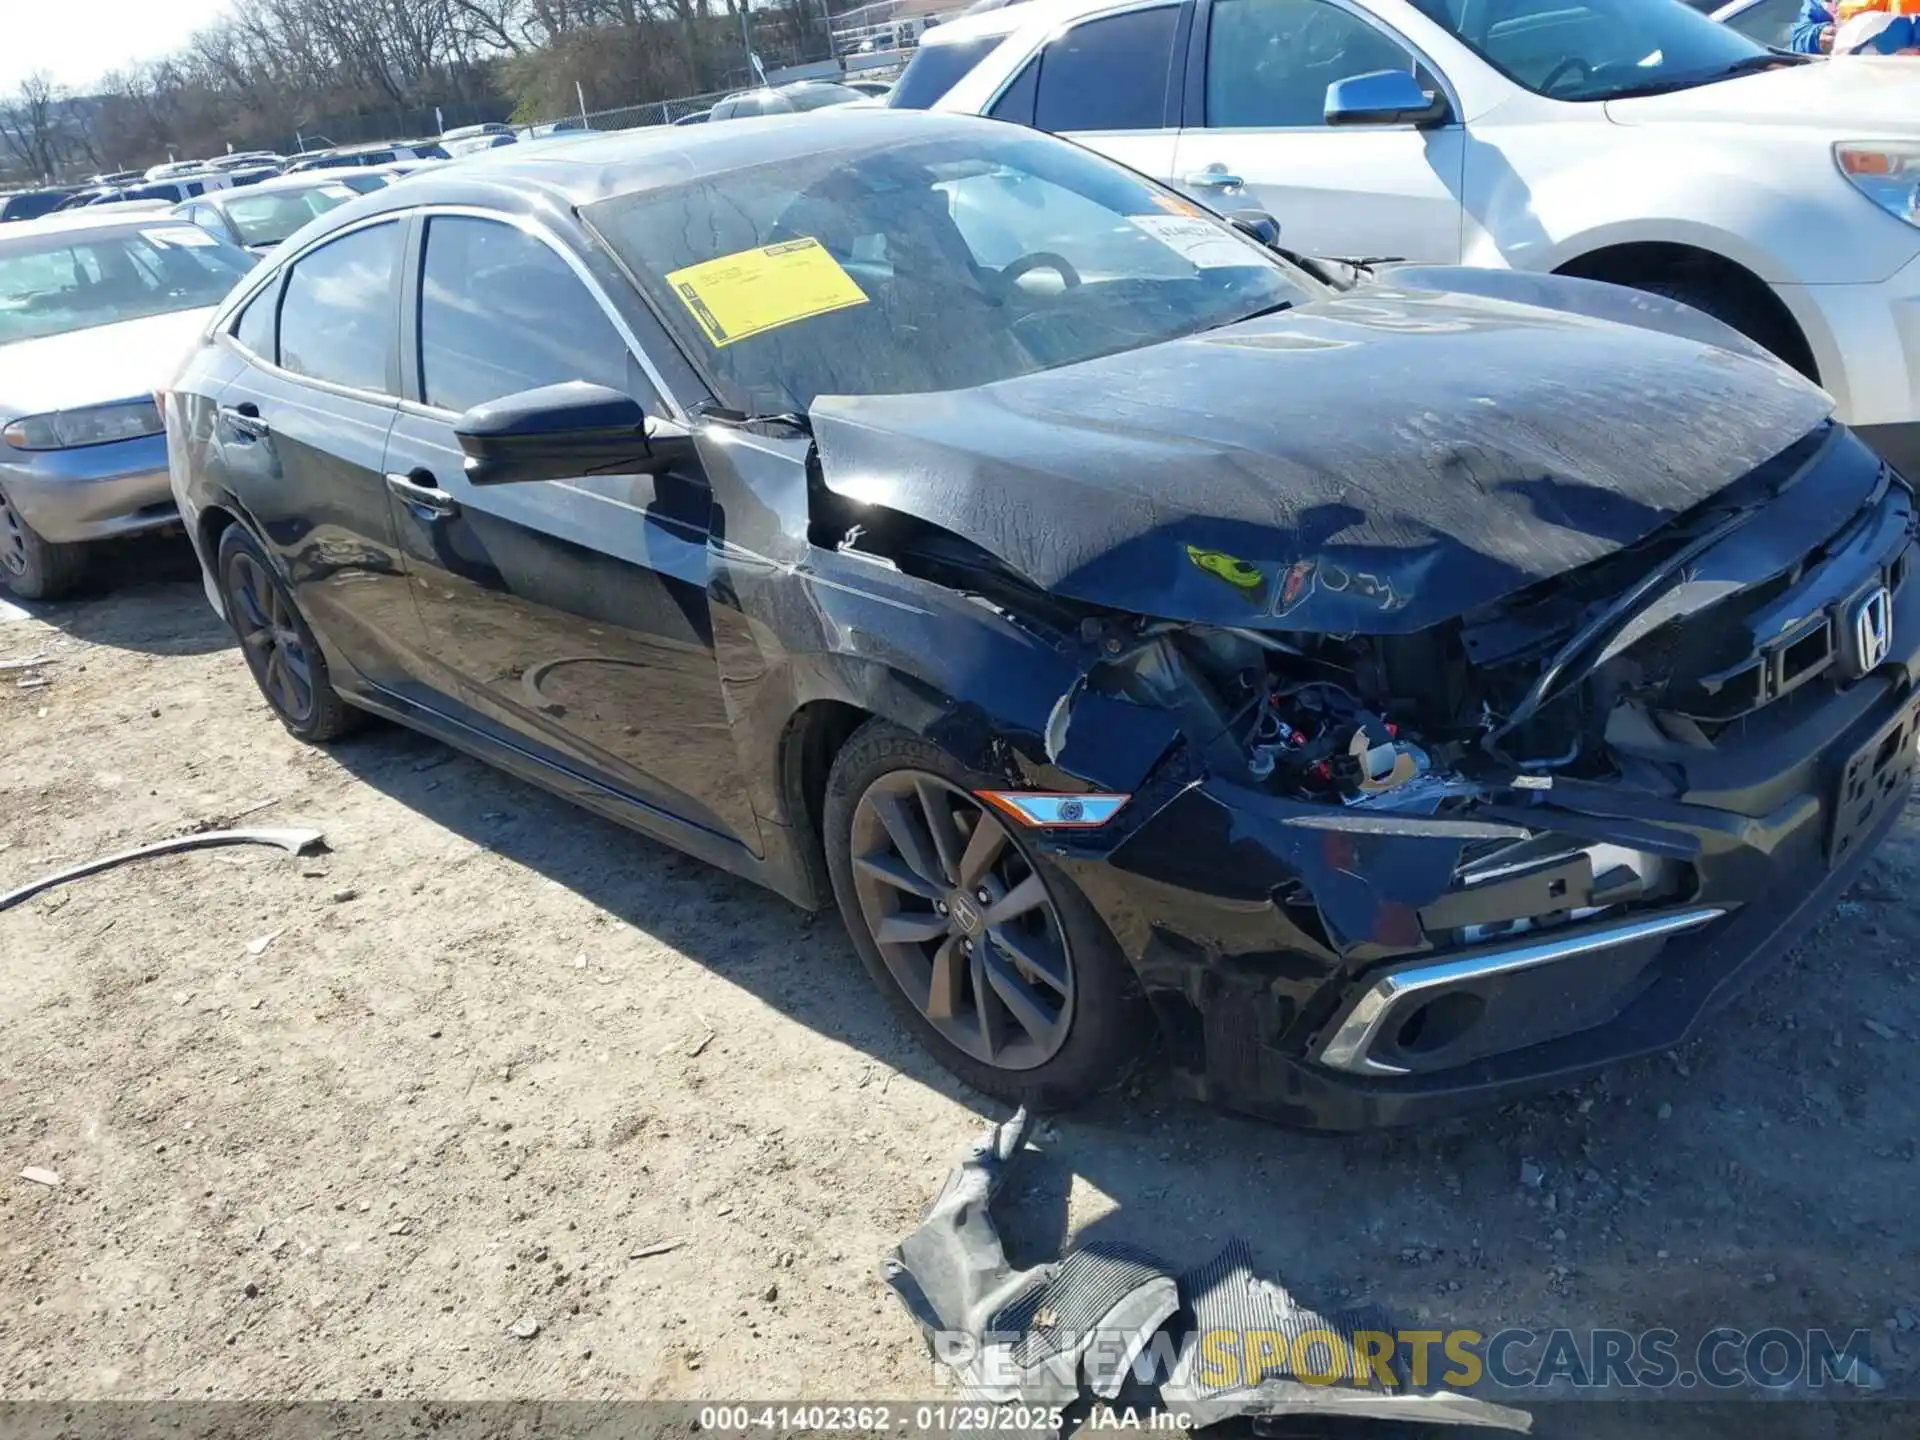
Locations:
1674 641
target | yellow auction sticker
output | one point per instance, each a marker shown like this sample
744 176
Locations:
751 291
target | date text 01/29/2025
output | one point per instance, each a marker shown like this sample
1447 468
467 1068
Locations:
928 1419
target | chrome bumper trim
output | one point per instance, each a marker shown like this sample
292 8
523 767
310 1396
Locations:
1346 1048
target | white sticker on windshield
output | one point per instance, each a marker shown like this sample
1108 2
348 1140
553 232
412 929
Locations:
1199 242
188 237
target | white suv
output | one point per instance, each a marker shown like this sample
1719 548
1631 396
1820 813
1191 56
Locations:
1634 141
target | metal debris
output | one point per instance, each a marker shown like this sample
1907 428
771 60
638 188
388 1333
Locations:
1035 1336
294 842
1047 1336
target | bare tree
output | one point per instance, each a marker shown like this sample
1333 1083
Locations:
30 126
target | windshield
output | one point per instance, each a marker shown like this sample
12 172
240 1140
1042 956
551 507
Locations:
50 284
936 69
270 216
935 265
1599 49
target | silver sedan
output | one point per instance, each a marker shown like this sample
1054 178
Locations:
96 313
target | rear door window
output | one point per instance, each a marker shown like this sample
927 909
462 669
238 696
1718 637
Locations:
1108 74
336 319
254 329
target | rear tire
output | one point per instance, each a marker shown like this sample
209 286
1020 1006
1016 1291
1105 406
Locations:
1050 960
32 567
274 636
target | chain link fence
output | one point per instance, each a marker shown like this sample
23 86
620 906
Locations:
883 66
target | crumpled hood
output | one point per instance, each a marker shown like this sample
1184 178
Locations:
1857 97
1373 463
91 367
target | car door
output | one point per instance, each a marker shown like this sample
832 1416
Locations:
1255 133
302 431
1110 82
571 616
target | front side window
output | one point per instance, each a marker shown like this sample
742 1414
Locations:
938 264
1600 49
50 284
1769 23
336 317
1269 62
500 312
1108 74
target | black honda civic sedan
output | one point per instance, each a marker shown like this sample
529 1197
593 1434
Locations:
1393 690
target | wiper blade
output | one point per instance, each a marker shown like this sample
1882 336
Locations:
1746 65
1262 312
722 415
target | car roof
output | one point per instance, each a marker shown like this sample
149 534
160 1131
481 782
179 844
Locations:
1009 18
300 180
601 165
91 217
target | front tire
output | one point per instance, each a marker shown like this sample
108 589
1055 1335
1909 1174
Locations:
281 652
987 951
32 567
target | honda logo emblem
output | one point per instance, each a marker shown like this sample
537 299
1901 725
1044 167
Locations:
1872 627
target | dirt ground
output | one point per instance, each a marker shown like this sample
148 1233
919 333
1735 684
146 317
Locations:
355 1126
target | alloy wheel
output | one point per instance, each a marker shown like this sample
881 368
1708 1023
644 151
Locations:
965 924
13 542
267 633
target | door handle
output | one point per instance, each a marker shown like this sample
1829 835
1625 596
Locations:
1213 178
425 496
244 419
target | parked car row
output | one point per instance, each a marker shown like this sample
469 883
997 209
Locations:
1632 141
1398 685
178 182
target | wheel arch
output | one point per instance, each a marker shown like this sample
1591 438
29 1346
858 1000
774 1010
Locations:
1632 262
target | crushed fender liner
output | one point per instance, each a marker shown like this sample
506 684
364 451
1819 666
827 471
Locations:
1224 1297
1249 476
1044 1336
1035 1335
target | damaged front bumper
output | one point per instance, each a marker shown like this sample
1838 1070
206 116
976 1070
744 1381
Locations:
1343 969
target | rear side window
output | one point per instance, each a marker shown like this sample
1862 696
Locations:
1108 74
254 329
936 69
500 312
336 320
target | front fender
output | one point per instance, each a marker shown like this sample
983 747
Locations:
962 672
1769 199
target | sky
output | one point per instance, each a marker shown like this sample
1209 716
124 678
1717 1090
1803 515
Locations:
78 41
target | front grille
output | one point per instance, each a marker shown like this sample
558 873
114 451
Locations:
1766 641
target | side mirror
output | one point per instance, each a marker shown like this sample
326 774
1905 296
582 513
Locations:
1385 97
1257 223
559 431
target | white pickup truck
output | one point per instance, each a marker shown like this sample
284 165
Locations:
1633 141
